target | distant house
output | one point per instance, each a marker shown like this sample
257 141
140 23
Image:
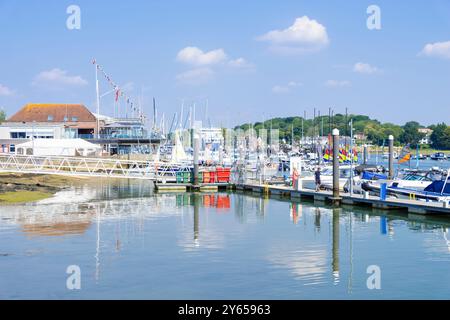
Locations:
360 137
427 138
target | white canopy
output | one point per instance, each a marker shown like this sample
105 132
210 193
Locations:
58 147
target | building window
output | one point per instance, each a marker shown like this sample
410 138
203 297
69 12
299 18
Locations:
74 119
12 148
65 119
18 135
50 118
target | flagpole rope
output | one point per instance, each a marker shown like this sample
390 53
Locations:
120 93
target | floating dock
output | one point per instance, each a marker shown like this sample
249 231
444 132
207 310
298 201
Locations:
185 187
412 206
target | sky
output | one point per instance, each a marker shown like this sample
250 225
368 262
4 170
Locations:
236 61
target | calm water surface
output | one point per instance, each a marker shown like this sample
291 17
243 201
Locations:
131 243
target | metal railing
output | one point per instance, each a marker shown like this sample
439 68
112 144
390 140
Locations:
92 167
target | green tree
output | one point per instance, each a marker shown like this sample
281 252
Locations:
2 116
441 137
411 133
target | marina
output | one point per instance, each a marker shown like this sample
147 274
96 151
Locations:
224 155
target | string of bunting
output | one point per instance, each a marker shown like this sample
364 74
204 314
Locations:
119 92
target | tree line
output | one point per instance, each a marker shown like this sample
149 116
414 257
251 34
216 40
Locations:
375 132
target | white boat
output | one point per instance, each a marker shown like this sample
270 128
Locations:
411 180
326 178
437 191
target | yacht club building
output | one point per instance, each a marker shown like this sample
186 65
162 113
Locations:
75 121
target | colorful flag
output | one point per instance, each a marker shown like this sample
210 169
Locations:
405 155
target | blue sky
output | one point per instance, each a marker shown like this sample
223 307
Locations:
239 56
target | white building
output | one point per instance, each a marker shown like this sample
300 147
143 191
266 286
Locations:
59 147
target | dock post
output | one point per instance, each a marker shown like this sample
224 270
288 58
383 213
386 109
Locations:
335 199
196 151
365 154
391 157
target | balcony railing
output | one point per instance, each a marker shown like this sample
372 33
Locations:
112 136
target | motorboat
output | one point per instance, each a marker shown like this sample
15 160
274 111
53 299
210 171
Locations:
437 191
438 156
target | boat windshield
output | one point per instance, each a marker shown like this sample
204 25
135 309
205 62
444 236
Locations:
416 177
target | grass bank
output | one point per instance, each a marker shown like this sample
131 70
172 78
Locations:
21 188
23 196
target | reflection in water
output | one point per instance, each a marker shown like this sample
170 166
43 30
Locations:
335 250
196 218
230 232
317 219
97 248
296 212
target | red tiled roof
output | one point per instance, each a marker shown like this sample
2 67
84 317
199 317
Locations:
57 112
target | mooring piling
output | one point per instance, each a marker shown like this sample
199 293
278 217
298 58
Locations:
365 154
196 159
336 197
391 157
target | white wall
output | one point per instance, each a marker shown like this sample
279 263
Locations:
4 133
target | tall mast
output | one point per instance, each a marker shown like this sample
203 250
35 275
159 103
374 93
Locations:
329 121
292 135
154 113
97 89
302 130
181 115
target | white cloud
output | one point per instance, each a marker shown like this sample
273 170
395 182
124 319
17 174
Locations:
5 91
437 49
366 68
196 56
337 83
195 76
57 77
286 88
304 35
295 84
280 89
239 63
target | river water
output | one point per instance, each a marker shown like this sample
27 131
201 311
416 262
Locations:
131 243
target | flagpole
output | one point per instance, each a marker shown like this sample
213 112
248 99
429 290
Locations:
98 98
